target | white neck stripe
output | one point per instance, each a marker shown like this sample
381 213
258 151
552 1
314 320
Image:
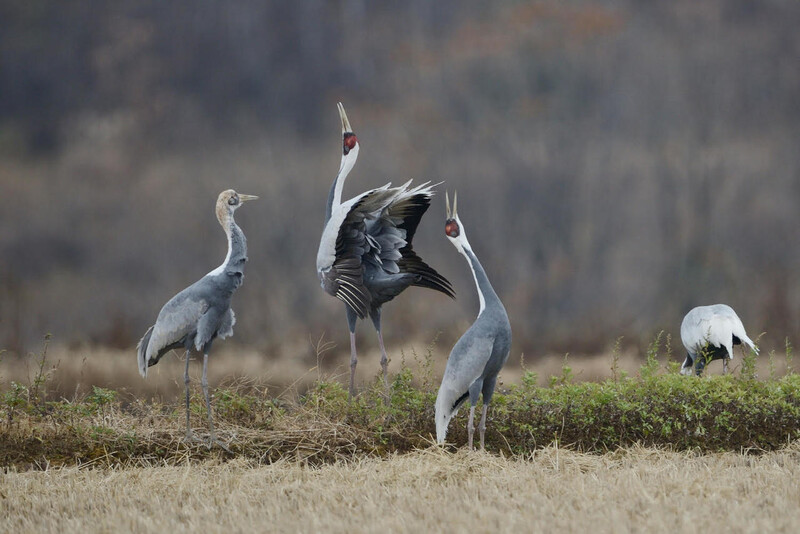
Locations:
221 268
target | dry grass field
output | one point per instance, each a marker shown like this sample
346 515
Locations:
631 490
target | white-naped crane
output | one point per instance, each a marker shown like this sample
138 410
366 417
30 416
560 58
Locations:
365 257
709 333
199 314
480 353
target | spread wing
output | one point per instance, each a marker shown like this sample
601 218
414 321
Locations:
409 208
344 246
391 231
390 234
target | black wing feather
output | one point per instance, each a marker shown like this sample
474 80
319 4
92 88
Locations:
411 212
346 276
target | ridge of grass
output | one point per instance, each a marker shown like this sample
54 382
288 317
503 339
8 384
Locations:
658 407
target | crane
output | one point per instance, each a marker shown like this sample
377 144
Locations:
709 333
201 312
481 352
365 257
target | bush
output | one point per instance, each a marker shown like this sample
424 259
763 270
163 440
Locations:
658 407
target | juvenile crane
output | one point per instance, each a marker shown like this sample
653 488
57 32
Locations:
201 312
365 257
478 356
709 333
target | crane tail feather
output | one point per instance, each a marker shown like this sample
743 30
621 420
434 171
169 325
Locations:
141 350
427 275
440 284
749 342
148 358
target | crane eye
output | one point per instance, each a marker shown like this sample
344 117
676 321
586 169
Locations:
233 200
349 141
451 228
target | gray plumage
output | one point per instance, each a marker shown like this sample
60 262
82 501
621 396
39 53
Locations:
191 319
709 333
478 356
202 312
365 256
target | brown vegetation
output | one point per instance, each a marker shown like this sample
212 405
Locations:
656 406
287 371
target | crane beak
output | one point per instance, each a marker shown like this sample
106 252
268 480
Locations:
345 123
245 198
451 215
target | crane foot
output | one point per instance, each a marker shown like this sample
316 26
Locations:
191 438
214 441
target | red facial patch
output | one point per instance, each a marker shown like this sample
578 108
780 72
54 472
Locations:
349 142
451 228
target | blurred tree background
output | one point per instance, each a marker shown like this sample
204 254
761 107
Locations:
618 162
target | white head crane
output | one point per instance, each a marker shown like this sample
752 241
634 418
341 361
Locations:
481 352
365 258
201 312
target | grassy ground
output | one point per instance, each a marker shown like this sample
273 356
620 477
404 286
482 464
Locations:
72 371
648 450
629 490
656 407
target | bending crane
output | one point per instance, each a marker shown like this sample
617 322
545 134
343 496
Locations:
709 333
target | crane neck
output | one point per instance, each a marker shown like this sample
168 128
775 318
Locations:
331 200
237 247
486 293
335 195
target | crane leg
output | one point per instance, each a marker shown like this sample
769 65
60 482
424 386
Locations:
186 382
204 383
351 325
700 365
353 363
213 436
725 366
482 424
384 362
375 314
470 426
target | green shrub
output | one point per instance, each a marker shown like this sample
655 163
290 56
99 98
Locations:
657 407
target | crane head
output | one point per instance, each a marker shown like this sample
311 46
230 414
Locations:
349 155
229 201
453 228
349 139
